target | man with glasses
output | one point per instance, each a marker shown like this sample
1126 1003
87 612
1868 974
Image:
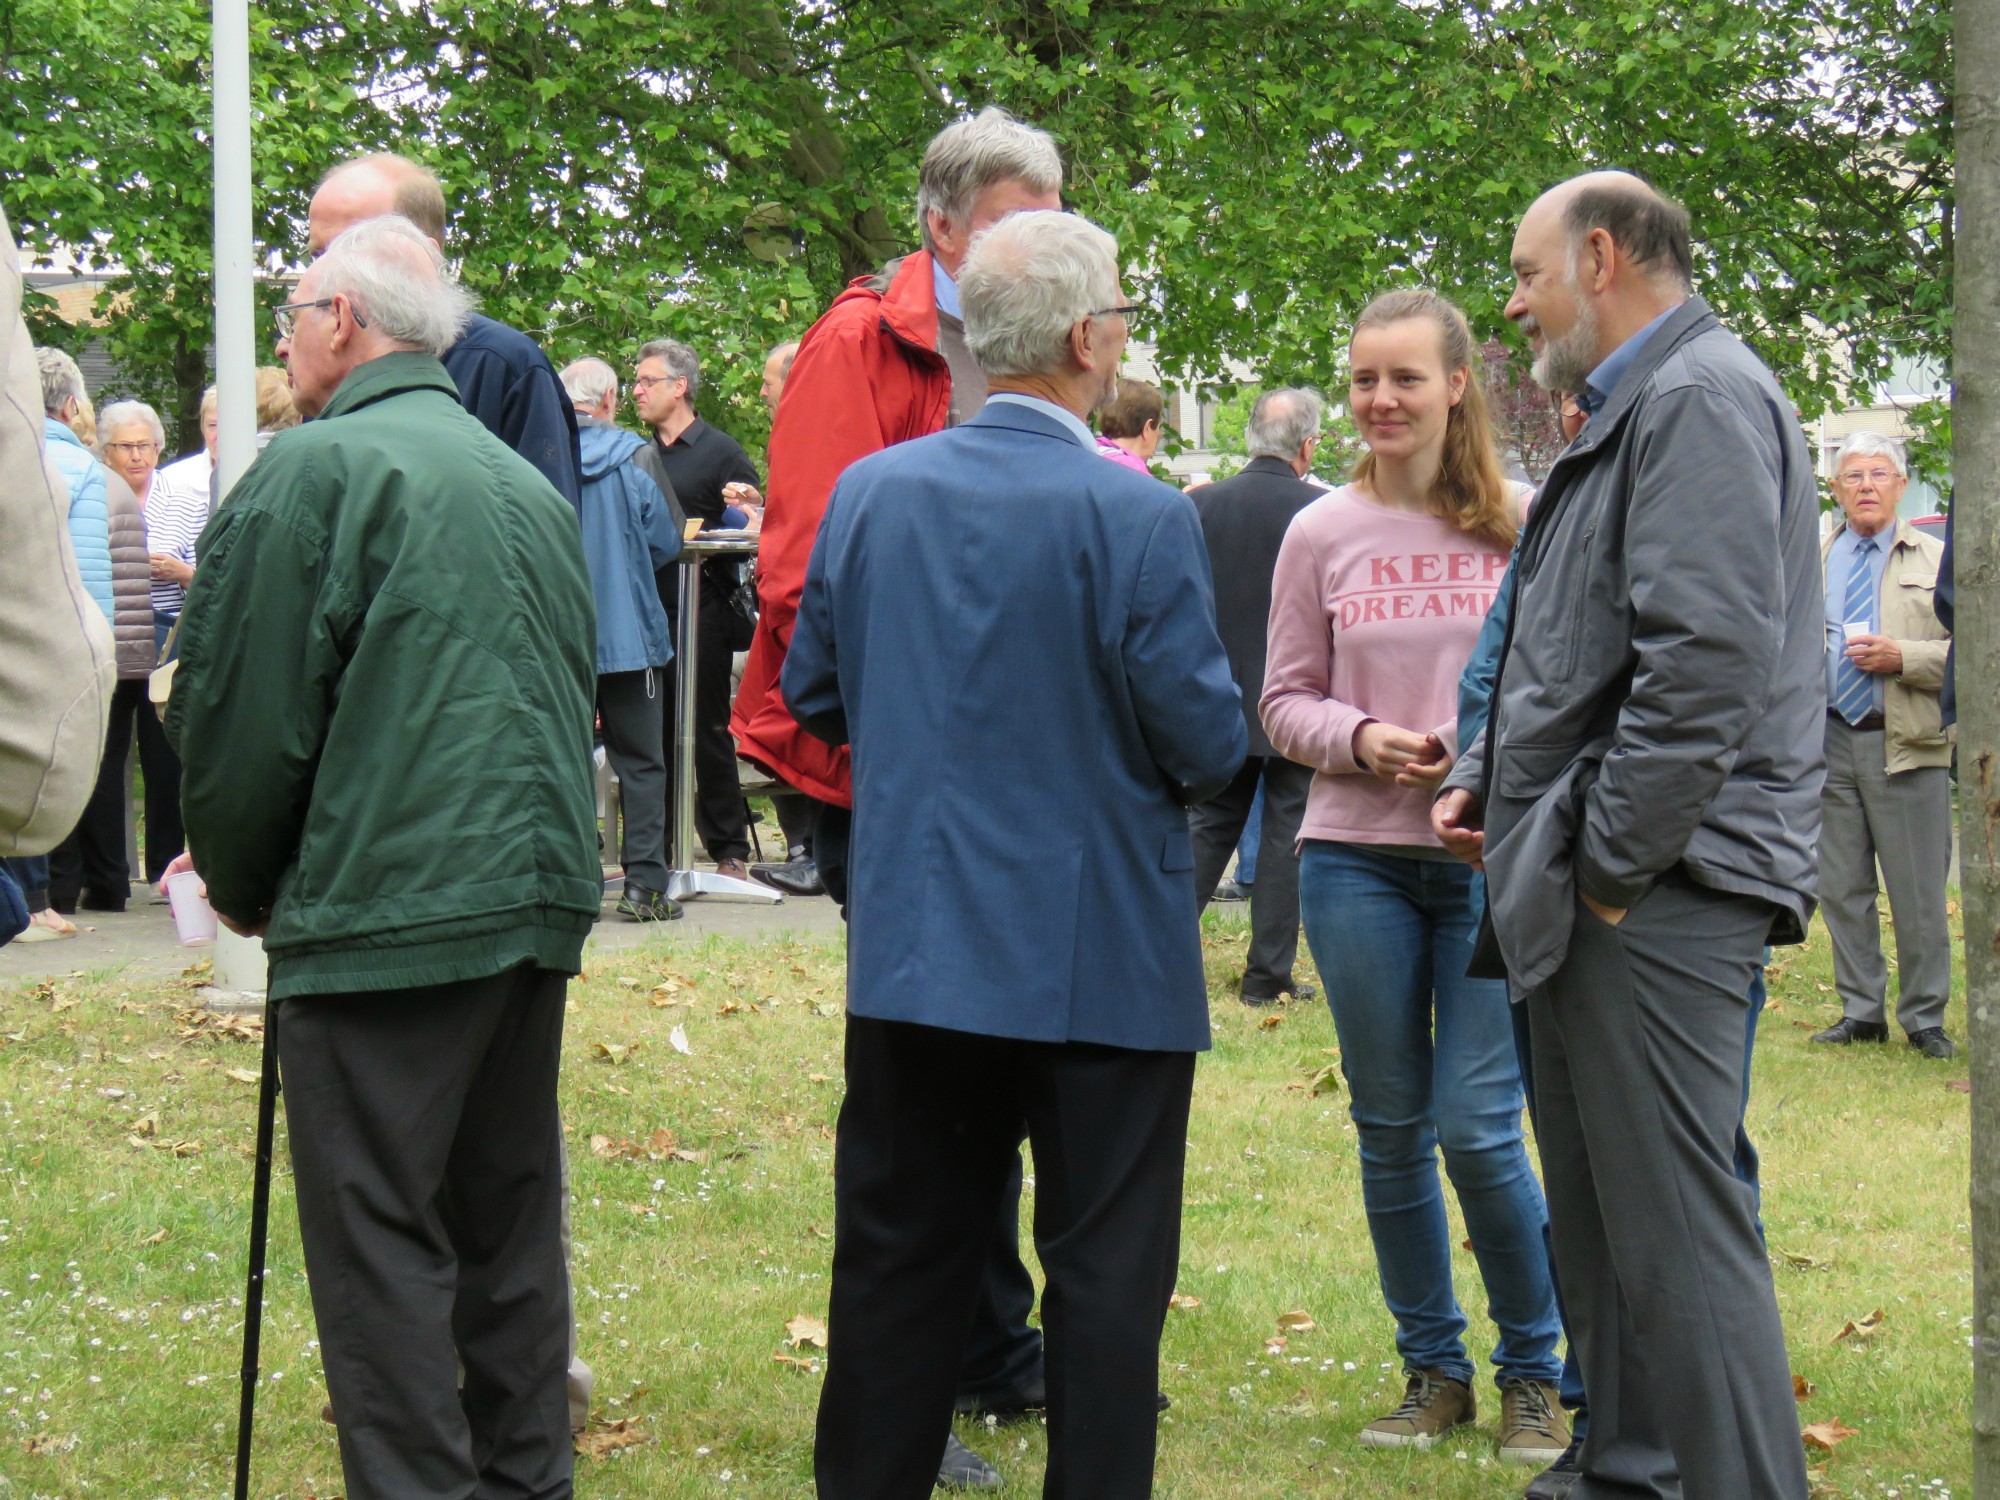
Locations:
1888 794
503 377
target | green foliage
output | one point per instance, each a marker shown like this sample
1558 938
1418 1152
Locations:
636 167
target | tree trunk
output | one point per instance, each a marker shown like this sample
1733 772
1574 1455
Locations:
1976 556
190 380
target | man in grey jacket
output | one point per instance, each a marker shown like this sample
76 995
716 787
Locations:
1646 801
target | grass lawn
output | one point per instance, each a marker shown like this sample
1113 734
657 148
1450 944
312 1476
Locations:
703 1222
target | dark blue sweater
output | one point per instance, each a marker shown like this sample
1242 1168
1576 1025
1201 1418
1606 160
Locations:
505 380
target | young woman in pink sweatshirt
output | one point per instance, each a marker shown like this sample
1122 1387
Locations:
1377 600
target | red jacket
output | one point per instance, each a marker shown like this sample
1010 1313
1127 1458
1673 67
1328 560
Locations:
867 374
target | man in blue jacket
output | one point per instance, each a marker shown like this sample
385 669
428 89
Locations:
630 529
1018 642
503 378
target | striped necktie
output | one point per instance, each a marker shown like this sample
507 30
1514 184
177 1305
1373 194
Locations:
1853 692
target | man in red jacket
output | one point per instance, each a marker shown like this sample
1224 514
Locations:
886 363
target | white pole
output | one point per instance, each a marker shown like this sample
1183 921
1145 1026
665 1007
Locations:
239 962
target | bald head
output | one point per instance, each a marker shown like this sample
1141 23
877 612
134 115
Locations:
369 187
1650 230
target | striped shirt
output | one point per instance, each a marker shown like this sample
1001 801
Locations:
176 509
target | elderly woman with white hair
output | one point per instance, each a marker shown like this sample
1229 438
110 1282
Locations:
384 706
131 440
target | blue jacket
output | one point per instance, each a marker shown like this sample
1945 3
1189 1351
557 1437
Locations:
1018 641
627 533
505 380
89 515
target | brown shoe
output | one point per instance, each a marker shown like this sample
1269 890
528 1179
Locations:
735 869
1433 1404
1533 1426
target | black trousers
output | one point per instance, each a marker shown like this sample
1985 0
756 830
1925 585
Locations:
93 856
1217 826
720 818
628 706
425 1151
795 818
927 1139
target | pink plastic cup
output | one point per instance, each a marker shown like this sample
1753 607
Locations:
193 916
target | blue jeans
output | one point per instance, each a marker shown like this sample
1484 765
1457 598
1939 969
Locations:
1428 1056
1252 840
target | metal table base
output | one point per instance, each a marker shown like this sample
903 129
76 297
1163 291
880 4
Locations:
683 879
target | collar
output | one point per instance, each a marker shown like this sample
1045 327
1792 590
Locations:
1603 380
58 432
946 289
391 375
1071 423
1264 463
690 435
1889 538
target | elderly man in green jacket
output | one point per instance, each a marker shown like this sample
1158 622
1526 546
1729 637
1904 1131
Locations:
384 710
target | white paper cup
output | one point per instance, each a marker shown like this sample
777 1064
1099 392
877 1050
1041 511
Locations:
193 916
1855 628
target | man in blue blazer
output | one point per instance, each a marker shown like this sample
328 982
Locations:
1018 642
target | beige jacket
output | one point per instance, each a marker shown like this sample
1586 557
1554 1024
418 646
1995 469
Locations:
56 656
1915 735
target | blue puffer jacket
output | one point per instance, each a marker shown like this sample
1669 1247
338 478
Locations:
627 533
89 518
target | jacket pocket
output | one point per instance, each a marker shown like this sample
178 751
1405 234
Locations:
1526 771
1177 851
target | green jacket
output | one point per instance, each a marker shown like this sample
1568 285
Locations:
385 695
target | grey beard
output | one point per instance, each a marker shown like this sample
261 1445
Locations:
1566 363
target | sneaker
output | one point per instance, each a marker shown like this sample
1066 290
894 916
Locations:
1533 1429
1231 890
962 1469
643 905
1433 1404
1559 1478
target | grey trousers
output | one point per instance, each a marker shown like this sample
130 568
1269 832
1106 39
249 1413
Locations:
629 705
1904 821
1638 1064
1217 825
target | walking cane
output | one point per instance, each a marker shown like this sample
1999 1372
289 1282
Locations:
260 1214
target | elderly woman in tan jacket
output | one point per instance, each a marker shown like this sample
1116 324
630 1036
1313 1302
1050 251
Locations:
1888 794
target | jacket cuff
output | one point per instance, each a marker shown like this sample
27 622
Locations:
1594 881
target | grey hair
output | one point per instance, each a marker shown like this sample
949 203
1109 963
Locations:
1027 281
1872 445
785 353
124 414
680 361
395 276
588 382
62 381
1282 420
969 156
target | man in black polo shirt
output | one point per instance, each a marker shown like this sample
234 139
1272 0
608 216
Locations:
699 461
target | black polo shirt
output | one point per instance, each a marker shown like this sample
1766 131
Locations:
700 462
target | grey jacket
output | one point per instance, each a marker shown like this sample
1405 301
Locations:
131 580
1661 700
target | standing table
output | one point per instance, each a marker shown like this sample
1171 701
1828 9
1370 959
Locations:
683 879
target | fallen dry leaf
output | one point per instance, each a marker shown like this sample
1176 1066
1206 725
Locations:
805 1331
1959 1085
661 1145
1823 1435
159 1238
1327 1080
242 1075
795 1362
1275 1344
1271 1022
1802 1262
1802 1388
1861 1329
1297 1322
614 1052
678 1040
600 1437
1182 1302
49 1444
147 1124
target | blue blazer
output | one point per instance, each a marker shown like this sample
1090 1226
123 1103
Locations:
1018 641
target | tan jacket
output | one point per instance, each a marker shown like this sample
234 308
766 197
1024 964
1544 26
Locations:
56 655
1915 734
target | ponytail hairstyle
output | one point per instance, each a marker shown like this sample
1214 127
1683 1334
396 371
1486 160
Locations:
1471 490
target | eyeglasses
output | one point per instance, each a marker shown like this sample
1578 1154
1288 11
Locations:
149 446
1874 476
1118 312
287 316
647 382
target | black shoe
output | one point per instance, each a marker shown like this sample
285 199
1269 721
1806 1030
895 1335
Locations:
1559 1478
643 905
1847 1030
1231 890
1298 989
797 876
112 901
962 1469
1932 1042
1009 1405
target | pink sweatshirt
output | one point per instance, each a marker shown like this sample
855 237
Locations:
1374 613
